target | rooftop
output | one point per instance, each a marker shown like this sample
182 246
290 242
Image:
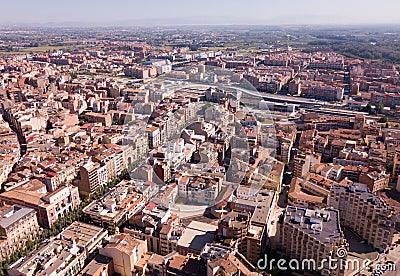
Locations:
120 200
197 235
85 235
322 225
13 215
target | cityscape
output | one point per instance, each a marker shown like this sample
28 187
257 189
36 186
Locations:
211 147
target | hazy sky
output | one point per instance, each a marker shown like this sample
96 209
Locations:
155 12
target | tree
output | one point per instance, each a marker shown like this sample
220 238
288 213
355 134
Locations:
368 108
62 222
271 90
74 75
379 108
384 119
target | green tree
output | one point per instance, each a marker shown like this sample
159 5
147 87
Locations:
384 120
379 108
368 108
74 75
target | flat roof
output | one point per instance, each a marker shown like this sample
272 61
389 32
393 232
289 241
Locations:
82 233
197 235
325 229
96 264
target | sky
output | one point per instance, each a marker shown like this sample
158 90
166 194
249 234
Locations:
182 12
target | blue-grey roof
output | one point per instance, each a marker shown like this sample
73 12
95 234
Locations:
17 214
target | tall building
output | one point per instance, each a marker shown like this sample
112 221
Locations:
249 224
311 234
396 164
302 163
153 136
107 162
93 176
249 239
365 213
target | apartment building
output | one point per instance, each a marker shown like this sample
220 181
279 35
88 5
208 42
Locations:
17 225
65 254
375 180
311 234
307 194
141 72
249 223
9 150
87 237
153 136
222 261
104 119
115 207
326 64
26 120
49 206
365 213
303 163
57 257
359 122
162 65
324 92
138 144
182 264
125 251
161 237
107 162
200 189
100 265
93 176
353 173
248 238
